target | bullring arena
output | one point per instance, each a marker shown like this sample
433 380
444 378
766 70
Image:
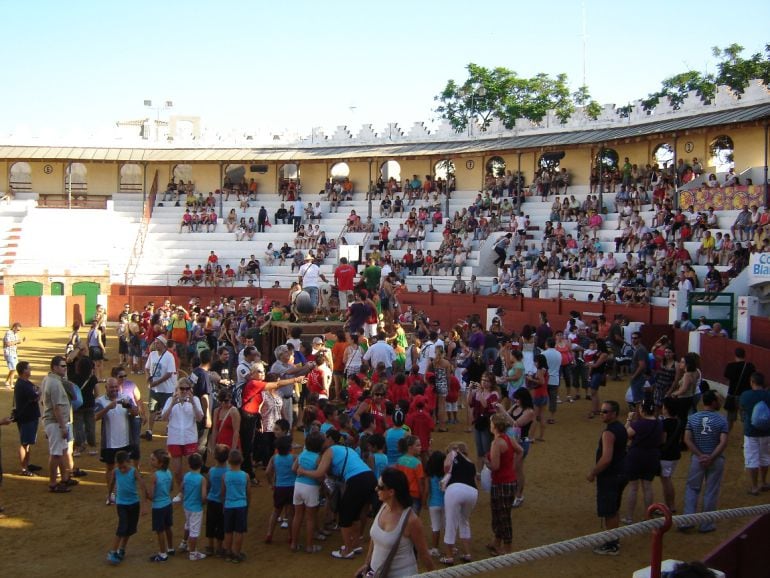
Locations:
132 202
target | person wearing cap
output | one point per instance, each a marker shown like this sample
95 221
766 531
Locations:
160 370
309 274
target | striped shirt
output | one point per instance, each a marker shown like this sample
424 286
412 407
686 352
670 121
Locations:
706 428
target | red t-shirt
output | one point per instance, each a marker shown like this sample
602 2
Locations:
421 424
343 277
398 392
251 397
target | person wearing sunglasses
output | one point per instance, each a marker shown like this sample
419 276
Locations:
608 473
393 492
182 410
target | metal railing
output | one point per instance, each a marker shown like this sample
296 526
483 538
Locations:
141 235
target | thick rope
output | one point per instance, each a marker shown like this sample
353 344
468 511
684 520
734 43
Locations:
588 541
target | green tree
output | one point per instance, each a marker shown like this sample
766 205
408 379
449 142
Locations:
582 97
736 71
500 93
676 87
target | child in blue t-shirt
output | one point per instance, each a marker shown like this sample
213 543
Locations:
434 469
194 493
377 461
306 493
281 477
126 483
235 492
215 522
159 492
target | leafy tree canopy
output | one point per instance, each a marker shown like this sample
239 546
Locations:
500 93
733 71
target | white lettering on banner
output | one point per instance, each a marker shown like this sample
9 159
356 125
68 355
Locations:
760 265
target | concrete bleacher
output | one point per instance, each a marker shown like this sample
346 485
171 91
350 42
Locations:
81 241
12 215
94 241
167 251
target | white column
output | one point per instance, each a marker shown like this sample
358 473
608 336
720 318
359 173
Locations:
53 311
5 310
747 306
694 342
677 304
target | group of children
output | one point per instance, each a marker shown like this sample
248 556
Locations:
225 493
392 428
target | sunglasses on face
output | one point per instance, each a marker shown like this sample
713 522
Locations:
185 388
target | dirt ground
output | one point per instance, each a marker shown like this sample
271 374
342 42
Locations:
72 531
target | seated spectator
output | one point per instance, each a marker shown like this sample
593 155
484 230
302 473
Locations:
317 212
473 287
458 286
281 215
186 221
228 279
712 181
211 222
713 279
347 189
353 222
594 223
252 268
706 248
198 275
187 276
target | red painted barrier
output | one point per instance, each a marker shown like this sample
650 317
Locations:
745 554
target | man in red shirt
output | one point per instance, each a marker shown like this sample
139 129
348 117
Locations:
229 276
198 276
187 276
213 259
343 279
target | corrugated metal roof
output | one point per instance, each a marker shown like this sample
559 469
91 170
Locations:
392 149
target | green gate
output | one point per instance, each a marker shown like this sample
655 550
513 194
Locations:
28 289
90 290
57 288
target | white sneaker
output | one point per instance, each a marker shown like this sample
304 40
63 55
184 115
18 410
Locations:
435 552
285 524
177 498
518 502
182 546
195 556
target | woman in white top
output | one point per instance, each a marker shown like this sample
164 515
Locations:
182 411
393 491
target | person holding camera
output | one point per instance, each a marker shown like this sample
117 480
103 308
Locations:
115 412
183 411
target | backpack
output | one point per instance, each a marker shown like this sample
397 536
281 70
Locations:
760 416
75 394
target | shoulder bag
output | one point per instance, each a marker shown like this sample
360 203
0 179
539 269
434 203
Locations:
384 569
335 486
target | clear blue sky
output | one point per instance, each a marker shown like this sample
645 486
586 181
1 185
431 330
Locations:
295 65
